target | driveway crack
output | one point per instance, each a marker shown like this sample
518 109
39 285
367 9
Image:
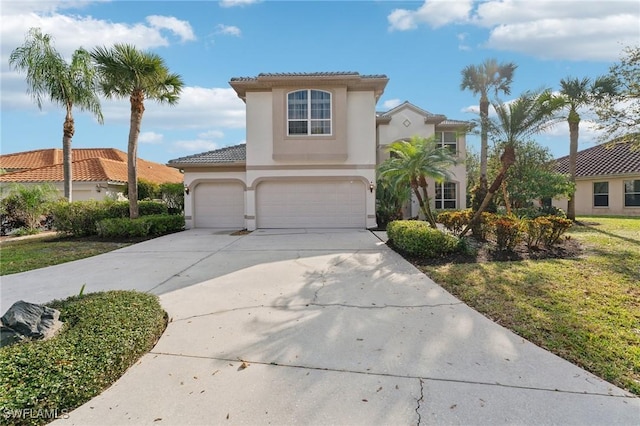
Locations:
420 401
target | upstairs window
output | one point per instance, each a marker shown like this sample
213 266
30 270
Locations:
600 194
448 140
632 193
446 196
308 113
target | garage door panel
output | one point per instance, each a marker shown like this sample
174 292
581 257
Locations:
311 204
219 205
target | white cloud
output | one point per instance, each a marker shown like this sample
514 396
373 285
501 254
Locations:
151 138
178 27
391 103
233 3
547 29
435 13
196 145
211 134
228 30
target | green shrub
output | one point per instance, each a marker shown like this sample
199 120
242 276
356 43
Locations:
546 230
26 206
455 220
417 238
143 226
172 195
508 232
80 218
103 335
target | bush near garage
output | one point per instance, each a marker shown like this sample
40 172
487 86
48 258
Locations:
417 238
145 226
79 218
103 335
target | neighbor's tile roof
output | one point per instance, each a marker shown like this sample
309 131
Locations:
226 155
603 160
308 74
48 157
94 169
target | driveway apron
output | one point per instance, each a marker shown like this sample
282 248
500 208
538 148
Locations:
323 327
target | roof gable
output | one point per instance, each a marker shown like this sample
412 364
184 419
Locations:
603 160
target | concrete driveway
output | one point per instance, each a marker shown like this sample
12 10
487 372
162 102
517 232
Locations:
317 327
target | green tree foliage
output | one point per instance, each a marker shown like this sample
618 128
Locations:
480 80
126 72
172 194
413 162
619 113
65 84
26 205
575 94
532 177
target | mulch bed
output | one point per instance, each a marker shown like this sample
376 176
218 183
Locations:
486 251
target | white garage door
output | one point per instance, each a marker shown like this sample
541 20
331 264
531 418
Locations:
311 204
219 205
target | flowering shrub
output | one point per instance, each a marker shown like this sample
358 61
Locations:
508 232
546 230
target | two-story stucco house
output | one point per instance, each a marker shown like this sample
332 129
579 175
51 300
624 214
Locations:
313 142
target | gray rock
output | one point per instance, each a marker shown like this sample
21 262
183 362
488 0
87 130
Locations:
28 320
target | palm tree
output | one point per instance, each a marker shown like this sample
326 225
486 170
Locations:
128 72
481 79
67 84
575 94
413 162
516 121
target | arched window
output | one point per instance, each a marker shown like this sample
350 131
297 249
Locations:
309 112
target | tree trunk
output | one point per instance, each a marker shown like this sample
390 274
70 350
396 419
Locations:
484 140
507 159
137 110
574 126
422 182
68 129
505 195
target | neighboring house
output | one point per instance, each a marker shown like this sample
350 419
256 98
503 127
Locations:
97 172
607 180
313 143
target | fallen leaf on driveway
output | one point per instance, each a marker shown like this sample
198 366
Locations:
243 366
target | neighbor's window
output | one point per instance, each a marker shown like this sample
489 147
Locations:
632 193
309 112
446 196
448 140
601 194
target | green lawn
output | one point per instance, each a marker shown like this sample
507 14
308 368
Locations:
586 310
34 253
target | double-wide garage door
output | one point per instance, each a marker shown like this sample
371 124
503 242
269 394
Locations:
311 204
219 205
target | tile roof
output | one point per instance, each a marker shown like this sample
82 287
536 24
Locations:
309 74
603 160
227 155
47 157
113 168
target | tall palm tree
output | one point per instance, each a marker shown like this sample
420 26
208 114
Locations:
414 161
481 79
67 84
574 94
128 72
515 122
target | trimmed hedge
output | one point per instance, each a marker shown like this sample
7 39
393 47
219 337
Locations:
79 218
103 335
144 226
417 238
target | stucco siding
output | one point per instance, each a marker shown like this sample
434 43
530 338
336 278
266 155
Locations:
585 199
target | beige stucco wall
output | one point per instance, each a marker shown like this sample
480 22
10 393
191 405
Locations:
80 191
584 198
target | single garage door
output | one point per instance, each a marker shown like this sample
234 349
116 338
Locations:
311 204
219 205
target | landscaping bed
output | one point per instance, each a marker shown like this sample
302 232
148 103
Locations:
102 336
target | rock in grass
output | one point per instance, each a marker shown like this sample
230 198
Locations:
29 320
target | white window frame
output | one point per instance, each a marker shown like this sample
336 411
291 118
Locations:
440 200
309 120
440 140
632 192
600 194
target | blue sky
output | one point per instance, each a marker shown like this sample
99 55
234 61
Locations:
420 45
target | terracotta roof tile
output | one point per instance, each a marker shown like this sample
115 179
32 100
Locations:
226 155
94 169
603 160
48 157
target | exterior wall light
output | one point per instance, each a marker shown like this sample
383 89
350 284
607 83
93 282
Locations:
186 189
371 187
